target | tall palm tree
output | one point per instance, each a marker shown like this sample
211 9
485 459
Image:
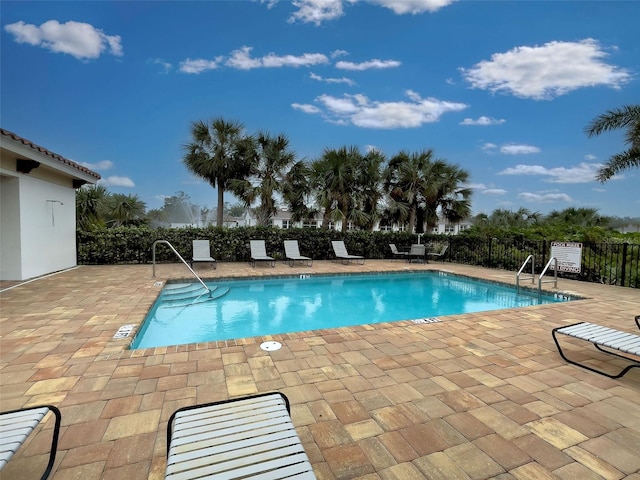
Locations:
404 181
334 181
369 183
454 197
626 117
218 152
422 187
266 177
297 191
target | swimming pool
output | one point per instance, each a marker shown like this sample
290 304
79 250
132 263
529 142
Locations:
256 307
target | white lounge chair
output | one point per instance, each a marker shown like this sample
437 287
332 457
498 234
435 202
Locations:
202 253
239 438
292 253
341 253
259 253
17 425
440 254
397 253
605 339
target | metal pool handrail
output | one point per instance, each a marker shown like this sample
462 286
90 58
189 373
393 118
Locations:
181 259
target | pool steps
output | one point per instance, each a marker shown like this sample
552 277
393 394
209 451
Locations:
180 295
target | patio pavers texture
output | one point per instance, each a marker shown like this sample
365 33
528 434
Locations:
475 396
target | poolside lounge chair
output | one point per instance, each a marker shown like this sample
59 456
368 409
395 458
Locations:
417 253
605 339
440 254
292 253
17 425
236 438
202 253
398 253
341 253
259 253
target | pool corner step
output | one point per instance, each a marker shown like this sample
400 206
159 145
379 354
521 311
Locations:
183 301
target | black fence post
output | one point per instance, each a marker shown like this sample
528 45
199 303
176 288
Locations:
490 263
623 274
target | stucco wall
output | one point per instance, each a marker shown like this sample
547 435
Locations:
10 253
47 219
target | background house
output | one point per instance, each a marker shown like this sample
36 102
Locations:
282 219
37 208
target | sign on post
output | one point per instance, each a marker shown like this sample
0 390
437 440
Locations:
569 256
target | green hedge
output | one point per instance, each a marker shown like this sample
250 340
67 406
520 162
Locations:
134 244
610 263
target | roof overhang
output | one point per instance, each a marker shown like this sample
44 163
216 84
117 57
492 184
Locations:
28 156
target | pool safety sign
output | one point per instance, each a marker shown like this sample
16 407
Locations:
569 255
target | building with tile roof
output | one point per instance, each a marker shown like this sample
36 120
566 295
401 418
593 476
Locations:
37 208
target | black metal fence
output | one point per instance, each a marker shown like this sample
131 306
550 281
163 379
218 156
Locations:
606 263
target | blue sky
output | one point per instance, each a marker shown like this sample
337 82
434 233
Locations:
504 89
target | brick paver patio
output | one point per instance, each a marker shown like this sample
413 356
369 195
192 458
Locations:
475 396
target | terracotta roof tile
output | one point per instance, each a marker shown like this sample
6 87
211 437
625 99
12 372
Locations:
44 151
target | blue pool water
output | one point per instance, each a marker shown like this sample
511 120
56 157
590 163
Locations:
256 307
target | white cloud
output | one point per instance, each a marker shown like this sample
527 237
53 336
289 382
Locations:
241 59
489 147
547 71
306 108
358 110
513 149
318 11
494 191
115 181
345 80
103 165
414 7
581 173
80 40
338 53
368 65
166 66
590 157
545 197
199 65
483 121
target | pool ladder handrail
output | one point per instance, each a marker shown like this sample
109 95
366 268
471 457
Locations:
531 276
181 259
555 275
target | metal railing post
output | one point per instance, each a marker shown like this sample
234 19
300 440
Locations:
181 259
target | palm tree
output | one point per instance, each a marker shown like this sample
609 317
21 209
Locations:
333 177
91 206
626 117
421 187
266 177
402 182
369 184
219 152
126 210
583 217
297 190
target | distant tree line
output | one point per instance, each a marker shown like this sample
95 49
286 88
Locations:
343 184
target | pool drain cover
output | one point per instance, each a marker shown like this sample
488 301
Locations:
270 346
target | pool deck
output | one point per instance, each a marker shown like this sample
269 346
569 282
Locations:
474 396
